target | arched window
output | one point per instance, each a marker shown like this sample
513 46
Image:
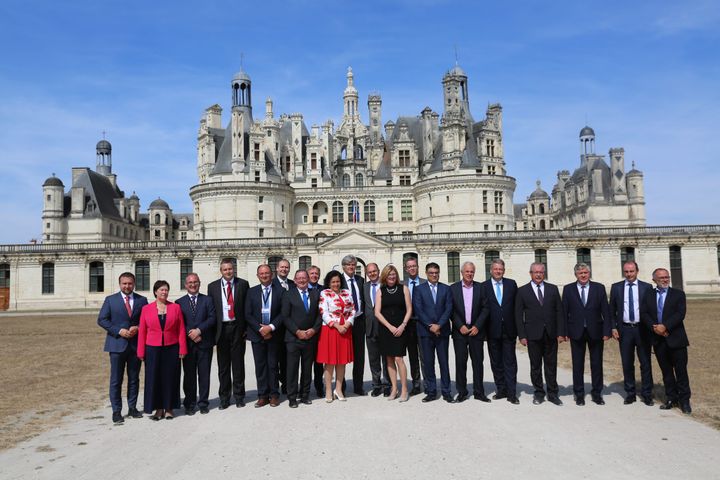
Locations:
305 262
142 275
359 181
157 219
541 257
490 255
338 212
542 208
453 267
343 153
48 278
358 151
369 211
346 180
676 274
97 277
583 256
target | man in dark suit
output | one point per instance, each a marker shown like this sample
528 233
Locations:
502 333
228 294
432 303
625 300
413 344
262 313
281 280
378 363
355 284
199 314
587 323
541 326
318 370
302 325
469 322
120 317
663 311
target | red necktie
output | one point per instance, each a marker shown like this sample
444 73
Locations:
230 302
127 305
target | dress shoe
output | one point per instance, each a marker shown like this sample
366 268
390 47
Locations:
339 396
261 402
117 418
629 399
538 399
169 416
500 396
376 392
648 401
392 396
306 401
579 401
274 401
404 398
133 413
360 392
448 398
461 397
386 392
429 398
189 411
155 417
240 402
204 410
686 409
513 400
598 400
482 397
668 405
416 391
224 404
293 403
556 401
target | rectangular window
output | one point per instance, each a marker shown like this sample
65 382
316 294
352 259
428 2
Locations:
491 169
490 255
261 232
183 235
261 199
627 254
453 267
498 202
186 268
142 275
261 215
485 201
406 213
390 210
388 183
405 180
676 274
313 183
48 278
541 257
256 151
583 256
97 277
313 161
257 176
404 158
4 275
305 262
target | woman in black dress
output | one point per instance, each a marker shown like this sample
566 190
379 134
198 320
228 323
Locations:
393 309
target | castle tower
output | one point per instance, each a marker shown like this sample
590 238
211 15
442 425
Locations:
161 220
618 182
587 141
53 215
350 100
636 196
375 110
103 164
241 119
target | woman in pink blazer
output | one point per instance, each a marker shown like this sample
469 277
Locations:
161 344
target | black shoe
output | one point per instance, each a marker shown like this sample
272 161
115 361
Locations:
461 397
579 401
500 396
668 405
224 404
429 398
482 397
190 411
386 392
376 392
292 403
416 391
360 392
306 401
686 409
648 401
513 400
538 399
629 399
240 402
598 400
204 410
448 398
556 401
117 418
133 413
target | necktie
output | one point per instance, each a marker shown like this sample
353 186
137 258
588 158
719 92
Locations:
412 288
284 284
193 303
373 290
127 305
498 292
434 293
305 300
582 295
230 301
541 299
660 304
631 303
354 296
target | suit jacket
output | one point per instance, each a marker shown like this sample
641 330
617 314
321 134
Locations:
360 285
113 317
296 318
203 318
276 283
407 284
674 310
532 319
429 312
151 333
240 288
501 317
253 311
479 314
617 301
371 321
595 313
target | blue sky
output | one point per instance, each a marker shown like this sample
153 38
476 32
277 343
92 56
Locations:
644 75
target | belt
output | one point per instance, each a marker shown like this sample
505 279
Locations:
631 325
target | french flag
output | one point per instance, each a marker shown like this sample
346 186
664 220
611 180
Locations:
356 212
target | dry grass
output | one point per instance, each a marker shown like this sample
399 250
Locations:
703 316
54 366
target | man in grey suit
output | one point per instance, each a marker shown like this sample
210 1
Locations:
413 345
378 363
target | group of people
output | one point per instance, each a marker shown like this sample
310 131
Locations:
299 329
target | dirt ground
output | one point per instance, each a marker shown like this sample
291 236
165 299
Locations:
54 366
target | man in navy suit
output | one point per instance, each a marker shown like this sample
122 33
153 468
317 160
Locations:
432 303
663 311
625 300
318 369
199 314
282 271
262 312
120 317
541 326
469 322
587 323
228 294
413 344
502 332
355 283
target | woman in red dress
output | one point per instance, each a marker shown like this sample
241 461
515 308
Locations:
335 346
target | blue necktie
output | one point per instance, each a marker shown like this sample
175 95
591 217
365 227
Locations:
434 293
373 289
305 300
582 295
661 304
412 288
354 296
631 303
498 292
